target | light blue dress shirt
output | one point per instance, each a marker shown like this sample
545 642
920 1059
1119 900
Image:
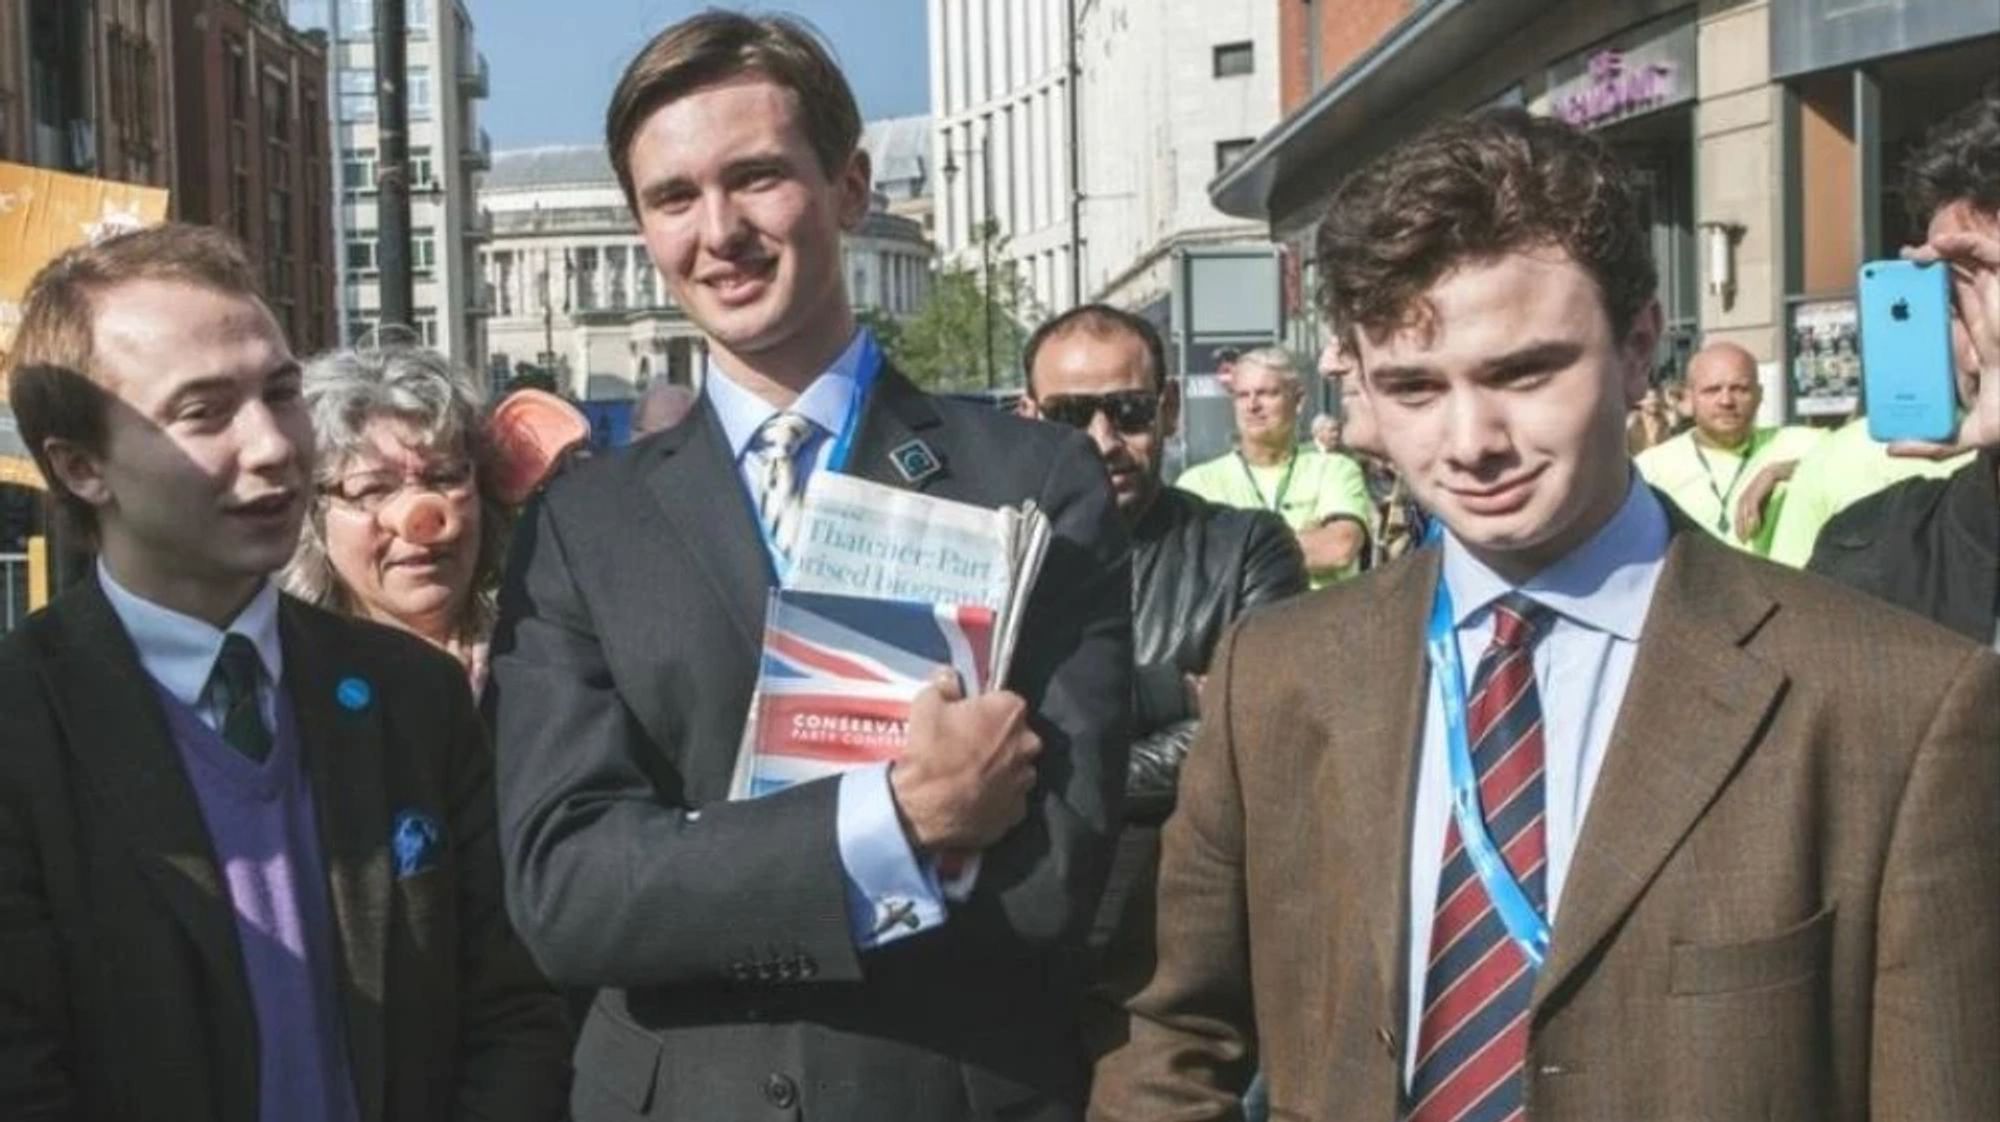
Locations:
179 651
1600 594
890 894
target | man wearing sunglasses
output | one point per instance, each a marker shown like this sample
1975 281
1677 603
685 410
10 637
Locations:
1196 566
1322 496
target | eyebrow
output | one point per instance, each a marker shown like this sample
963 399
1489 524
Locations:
223 383
1545 355
658 189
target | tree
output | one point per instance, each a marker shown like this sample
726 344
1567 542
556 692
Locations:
943 347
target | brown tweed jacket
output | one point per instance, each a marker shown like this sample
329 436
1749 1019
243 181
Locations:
1784 905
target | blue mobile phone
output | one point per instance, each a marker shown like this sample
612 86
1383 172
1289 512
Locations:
1906 363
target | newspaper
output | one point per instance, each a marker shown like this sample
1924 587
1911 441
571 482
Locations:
883 587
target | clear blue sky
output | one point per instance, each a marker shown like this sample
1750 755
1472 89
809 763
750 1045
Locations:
555 61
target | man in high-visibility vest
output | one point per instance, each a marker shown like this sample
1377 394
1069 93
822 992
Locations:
1727 472
1322 496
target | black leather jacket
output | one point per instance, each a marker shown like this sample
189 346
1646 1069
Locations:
1929 545
1196 567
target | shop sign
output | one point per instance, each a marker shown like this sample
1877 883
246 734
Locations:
1810 35
1649 68
1826 358
43 213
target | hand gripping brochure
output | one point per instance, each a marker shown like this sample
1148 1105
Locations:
884 586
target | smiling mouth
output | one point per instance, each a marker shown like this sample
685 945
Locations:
742 276
267 506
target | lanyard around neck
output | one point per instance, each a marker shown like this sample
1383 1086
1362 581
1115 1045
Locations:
1525 923
868 368
1708 473
1276 503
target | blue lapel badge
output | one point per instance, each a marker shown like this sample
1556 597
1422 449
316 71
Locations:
354 694
416 841
915 461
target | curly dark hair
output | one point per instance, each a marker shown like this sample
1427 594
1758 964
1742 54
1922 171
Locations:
1959 160
1470 189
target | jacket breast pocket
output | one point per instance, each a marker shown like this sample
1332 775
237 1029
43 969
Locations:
1796 953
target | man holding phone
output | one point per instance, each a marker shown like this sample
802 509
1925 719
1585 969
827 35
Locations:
1933 545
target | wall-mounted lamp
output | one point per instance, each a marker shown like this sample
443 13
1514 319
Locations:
1719 248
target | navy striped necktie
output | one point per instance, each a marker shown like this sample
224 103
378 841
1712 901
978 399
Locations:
1472 1040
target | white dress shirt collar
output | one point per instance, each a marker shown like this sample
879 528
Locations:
825 403
1605 584
179 651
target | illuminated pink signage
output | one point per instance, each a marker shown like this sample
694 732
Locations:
1615 86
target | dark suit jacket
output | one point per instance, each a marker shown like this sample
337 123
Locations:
622 673
122 995
1784 904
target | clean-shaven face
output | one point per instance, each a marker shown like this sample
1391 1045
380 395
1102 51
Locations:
1504 409
1267 404
741 220
1723 395
203 476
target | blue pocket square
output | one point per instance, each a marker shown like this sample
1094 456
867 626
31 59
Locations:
416 841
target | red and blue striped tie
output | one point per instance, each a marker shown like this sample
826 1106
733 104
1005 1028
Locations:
1472 1041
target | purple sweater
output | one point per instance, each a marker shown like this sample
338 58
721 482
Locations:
265 833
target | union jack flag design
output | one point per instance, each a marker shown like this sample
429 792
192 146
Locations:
839 673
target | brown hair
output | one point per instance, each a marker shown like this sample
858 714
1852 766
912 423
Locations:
51 386
714 46
1472 189
1959 162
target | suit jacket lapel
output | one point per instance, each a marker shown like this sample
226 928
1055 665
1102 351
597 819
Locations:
343 748
113 724
1691 673
898 413
696 484
1383 795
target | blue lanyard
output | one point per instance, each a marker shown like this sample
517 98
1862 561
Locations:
868 367
1527 926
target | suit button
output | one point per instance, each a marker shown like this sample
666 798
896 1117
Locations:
780 1091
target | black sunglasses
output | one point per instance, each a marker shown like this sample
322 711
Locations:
1128 410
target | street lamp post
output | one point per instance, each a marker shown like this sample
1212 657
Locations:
985 238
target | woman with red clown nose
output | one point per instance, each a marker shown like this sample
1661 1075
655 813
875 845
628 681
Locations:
415 489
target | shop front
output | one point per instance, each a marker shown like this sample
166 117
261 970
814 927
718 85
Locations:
24 572
1626 69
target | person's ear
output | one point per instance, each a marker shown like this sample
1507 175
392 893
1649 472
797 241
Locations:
856 183
77 470
1170 408
1641 344
1026 406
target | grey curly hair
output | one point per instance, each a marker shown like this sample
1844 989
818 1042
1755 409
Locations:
344 391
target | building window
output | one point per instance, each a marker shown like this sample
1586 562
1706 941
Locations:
357 95
1228 152
646 287
423 249
1233 60
361 253
614 269
586 279
357 169
420 92
426 323
423 177
417 15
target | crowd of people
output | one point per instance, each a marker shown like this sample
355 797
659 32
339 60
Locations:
1453 766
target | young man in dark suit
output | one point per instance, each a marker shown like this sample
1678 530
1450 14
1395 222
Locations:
791 955
247 857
